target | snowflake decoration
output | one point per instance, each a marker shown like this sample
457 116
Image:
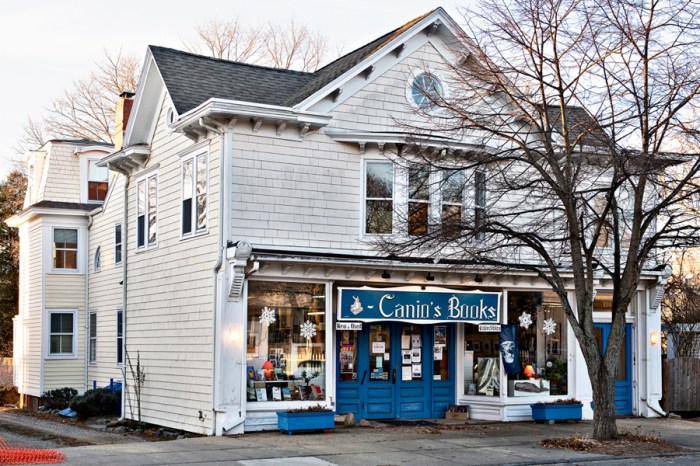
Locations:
549 326
268 316
308 330
525 320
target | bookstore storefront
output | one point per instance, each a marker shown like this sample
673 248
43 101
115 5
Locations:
401 352
397 348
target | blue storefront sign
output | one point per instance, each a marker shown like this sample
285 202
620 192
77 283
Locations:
422 306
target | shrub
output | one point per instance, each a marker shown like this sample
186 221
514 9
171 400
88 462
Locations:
58 398
9 395
98 402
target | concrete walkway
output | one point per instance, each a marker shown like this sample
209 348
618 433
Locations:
493 443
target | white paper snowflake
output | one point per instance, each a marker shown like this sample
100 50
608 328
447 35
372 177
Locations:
525 320
549 326
308 330
268 316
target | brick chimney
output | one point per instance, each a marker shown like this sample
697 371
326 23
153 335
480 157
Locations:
121 117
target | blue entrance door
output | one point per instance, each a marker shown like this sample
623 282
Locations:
623 384
396 370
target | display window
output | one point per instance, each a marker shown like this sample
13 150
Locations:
286 341
482 363
539 348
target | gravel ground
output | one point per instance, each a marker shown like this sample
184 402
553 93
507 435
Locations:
17 428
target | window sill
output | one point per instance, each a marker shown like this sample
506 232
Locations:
65 271
60 356
146 249
190 236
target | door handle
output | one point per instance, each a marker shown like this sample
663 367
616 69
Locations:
393 376
363 378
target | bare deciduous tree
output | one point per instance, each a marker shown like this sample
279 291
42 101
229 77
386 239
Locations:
294 47
291 46
681 309
227 40
86 110
569 108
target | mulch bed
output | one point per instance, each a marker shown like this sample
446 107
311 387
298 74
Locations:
636 443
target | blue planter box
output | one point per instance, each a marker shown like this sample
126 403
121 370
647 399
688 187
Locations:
291 422
556 412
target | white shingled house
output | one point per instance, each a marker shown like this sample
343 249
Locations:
228 241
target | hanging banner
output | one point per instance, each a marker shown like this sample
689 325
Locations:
508 345
421 306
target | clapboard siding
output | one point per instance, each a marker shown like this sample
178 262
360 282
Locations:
28 364
289 192
382 104
66 291
170 294
105 290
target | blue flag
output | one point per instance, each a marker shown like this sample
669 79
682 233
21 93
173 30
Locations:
508 345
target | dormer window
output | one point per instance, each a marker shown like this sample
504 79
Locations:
98 182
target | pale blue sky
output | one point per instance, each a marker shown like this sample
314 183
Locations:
46 44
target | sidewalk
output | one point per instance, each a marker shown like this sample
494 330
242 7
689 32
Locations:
488 443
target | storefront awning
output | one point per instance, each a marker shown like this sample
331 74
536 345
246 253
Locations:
420 306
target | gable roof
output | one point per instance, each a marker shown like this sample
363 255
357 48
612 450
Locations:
193 79
334 69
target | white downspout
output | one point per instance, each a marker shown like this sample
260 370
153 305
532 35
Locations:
651 399
217 267
125 235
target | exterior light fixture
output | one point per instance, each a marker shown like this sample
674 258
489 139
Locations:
429 277
478 278
233 334
654 338
386 275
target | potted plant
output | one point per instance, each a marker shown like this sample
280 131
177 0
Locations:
559 410
311 418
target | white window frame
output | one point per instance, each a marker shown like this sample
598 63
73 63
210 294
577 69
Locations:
85 161
47 339
441 195
194 158
92 339
428 202
480 206
146 180
77 268
97 261
120 245
365 199
121 348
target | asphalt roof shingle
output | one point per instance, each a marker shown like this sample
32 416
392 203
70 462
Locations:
193 79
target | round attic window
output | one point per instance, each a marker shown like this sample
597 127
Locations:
426 89
170 116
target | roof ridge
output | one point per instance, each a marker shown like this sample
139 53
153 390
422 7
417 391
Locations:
221 60
388 34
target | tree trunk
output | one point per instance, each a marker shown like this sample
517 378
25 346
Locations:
604 426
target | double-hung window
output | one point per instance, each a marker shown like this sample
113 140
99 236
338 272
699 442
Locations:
452 202
92 353
62 328
195 177
65 248
379 197
418 200
117 243
98 181
120 337
146 212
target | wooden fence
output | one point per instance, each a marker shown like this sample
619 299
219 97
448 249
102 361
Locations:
682 384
